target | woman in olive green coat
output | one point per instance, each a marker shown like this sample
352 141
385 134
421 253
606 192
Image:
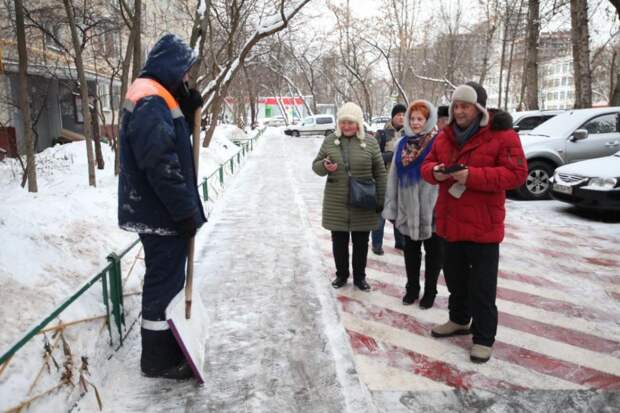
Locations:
364 160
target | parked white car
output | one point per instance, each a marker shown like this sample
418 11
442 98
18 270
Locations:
591 184
572 136
313 125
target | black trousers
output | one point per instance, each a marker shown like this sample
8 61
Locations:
433 261
340 249
165 258
470 270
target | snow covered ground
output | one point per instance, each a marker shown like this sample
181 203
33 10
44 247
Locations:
55 240
282 340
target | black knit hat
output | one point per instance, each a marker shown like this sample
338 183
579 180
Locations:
481 92
442 111
398 108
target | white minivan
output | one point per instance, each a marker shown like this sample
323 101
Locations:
313 125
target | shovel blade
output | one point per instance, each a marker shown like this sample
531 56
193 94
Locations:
190 334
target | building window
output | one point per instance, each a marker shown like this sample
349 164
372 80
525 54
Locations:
104 95
564 81
115 99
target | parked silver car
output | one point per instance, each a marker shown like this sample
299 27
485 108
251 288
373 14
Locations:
569 137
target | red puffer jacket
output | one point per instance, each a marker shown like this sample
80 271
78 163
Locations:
496 163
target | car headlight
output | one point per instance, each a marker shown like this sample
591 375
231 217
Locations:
603 183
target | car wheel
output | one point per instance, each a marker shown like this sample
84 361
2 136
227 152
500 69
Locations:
328 132
538 183
295 133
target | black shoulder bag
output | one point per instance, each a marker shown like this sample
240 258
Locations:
362 191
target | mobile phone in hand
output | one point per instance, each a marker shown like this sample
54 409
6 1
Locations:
454 168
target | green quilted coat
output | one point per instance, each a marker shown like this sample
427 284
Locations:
364 163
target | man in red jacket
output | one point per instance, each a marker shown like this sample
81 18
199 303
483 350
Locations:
475 159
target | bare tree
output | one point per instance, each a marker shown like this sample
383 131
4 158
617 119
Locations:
137 39
581 53
216 89
491 11
24 104
79 64
614 99
531 73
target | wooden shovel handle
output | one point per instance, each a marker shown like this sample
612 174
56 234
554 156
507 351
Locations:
190 249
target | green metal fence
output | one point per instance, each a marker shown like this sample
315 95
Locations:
111 275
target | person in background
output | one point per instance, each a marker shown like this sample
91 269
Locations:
442 117
349 148
387 137
410 201
475 160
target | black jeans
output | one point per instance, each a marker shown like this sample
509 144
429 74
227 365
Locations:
470 270
433 261
165 258
340 249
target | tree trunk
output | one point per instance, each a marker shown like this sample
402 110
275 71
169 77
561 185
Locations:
251 97
614 99
137 41
83 92
614 82
531 75
502 62
581 53
97 139
24 104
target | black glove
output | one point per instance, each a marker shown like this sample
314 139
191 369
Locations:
187 227
379 209
189 102
392 221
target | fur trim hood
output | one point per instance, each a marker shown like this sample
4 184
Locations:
430 122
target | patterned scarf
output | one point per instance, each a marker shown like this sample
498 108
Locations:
410 154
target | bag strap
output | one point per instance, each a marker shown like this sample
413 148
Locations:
345 160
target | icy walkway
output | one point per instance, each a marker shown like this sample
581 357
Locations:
282 340
276 343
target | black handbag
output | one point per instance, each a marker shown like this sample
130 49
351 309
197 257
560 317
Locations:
362 191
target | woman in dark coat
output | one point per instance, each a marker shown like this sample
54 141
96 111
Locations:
349 148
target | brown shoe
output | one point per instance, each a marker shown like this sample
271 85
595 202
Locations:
450 329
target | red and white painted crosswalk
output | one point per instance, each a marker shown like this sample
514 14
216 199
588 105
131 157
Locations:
558 320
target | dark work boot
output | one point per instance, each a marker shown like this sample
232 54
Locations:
160 352
181 371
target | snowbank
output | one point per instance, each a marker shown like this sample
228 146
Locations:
55 240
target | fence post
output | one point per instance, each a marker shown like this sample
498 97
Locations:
205 189
232 165
104 287
221 175
116 293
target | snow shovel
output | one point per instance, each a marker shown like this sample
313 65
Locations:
186 314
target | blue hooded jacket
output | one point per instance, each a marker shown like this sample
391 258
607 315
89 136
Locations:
157 185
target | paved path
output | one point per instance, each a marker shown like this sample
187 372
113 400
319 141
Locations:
282 340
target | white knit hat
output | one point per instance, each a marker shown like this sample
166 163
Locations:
467 93
351 112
